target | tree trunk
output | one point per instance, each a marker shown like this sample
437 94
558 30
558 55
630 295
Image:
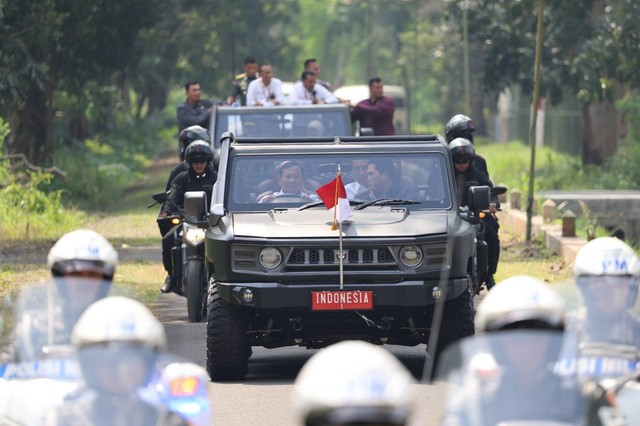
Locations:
600 133
32 125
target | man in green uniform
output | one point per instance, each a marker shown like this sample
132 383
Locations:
241 81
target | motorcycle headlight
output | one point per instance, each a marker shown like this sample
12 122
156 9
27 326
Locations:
193 236
411 256
270 258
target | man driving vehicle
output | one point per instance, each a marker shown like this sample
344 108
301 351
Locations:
291 182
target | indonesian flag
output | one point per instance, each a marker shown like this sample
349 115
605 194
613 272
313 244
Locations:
334 197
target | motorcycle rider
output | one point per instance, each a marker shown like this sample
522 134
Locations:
463 154
118 341
353 382
188 135
519 340
82 264
461 126
199 177
606 272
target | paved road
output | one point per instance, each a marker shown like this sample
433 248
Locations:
263 397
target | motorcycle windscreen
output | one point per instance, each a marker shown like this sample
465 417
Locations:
509 377
604 328
38 321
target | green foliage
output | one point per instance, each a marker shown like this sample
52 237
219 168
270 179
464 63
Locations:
100 170
27 211
509 164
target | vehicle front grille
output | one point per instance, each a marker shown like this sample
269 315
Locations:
363 256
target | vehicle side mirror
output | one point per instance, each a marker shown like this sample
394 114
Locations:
479 198
195 206
217 212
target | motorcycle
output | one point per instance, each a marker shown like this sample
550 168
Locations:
479 264
511 377
39 369
188 253
604 340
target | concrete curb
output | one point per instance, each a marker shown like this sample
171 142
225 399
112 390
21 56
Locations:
551 234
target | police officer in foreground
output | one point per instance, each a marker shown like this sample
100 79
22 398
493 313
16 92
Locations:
82 264
353 383
463 154
200 176
118 341
507 372
606 272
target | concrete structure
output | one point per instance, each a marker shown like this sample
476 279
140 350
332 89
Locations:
617 211
551 234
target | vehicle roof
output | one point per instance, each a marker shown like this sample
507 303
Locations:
327 145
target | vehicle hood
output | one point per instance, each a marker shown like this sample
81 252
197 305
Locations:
374 221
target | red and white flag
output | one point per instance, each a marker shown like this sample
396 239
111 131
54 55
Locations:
334 197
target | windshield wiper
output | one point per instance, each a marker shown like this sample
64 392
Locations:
319 202
386 202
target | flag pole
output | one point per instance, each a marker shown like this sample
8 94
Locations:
341 254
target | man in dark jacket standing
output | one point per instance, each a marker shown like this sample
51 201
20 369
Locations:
194 111
377 111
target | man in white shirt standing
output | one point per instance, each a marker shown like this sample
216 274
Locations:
307 91
266 90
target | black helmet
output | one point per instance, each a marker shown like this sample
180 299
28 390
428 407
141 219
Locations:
190 134
460 126
198 151
461 150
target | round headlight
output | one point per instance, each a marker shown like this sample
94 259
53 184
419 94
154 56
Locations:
411 256
270 258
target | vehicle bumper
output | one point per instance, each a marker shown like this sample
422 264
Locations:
277 295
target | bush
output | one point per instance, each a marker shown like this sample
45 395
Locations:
28 212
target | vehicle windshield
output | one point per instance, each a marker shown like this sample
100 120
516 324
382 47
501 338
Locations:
260 183
273 122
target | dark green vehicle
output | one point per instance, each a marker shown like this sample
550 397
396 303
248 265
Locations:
274 263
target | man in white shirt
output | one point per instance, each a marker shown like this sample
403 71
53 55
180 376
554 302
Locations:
307 91
266 90
359 171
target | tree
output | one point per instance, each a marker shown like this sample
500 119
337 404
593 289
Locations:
590 51
51 45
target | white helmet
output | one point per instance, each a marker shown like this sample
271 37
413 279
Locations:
118 319
606 256
82 250
520 300
353 382
610 262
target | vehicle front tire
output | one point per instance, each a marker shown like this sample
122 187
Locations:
227 349
195 279
457 321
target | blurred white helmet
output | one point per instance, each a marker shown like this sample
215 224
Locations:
607 267
606 256
520 300
353 382
118 319
82 250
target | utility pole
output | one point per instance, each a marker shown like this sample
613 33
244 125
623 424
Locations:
534 117
465 36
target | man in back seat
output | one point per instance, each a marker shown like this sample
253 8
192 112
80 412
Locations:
384 181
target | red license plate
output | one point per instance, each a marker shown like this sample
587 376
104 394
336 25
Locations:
341 300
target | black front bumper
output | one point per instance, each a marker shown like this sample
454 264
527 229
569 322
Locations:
273 295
